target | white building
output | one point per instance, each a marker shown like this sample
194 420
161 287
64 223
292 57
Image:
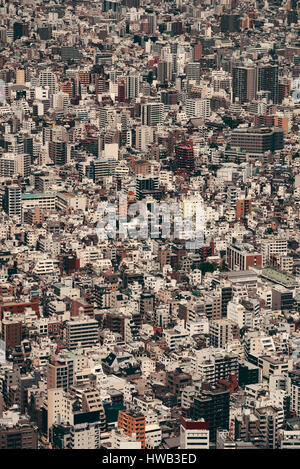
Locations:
289 439
237 313
176 337
81 332
153 435
194 434
198 108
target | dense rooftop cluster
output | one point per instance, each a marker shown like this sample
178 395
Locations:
149 224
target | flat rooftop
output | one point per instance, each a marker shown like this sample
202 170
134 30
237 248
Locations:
279 277
38 195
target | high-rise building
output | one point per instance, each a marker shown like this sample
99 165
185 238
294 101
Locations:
45 33
213 364
104 167
20 436
244 84
270 420
23 164
177 381
11 332
273 246
222 331
241 258
147 303
114 5
212 405
284 87
144 184
8 165
248 373
193 71
152 113
115 322
21 76
282 298
177 28
60 373
12 200
152 23
92 144
226 296
257 139
144 137
121 91
272 121
58 152
164 71
245 427
267 80
230 23
184 154
169 97
133 423
81 332
243 208
198 108
48 78
132 86
197 51
20 29
294 391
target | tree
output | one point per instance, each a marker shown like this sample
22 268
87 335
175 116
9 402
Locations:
213 167
223 267
229 122
150 78
207 267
